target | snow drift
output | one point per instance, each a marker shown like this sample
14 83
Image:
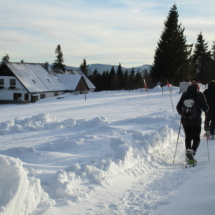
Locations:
20 194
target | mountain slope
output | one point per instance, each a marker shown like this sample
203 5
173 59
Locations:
106 67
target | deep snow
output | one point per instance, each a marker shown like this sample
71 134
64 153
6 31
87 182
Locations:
110 154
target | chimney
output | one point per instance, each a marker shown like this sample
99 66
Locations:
47 66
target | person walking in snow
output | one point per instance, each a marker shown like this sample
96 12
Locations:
190 107
210 115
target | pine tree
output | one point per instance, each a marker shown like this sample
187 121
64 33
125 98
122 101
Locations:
138 80
213 61
5 59
111 78
213 51
105 83
172 58
58 63
125 80
85 68
202 60
131 80
93 77
120 76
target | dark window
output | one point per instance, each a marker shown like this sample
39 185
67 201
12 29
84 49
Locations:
12 81
56 94
2 81
17 96
42 96
26 96
12 88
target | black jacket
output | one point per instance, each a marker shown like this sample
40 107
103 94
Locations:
200 102
210 97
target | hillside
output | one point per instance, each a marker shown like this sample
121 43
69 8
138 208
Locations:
104 67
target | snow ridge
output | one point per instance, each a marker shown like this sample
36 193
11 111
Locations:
20 194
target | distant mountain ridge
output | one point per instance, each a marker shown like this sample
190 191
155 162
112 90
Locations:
106 67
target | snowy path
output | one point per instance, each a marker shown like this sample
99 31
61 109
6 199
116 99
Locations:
110 155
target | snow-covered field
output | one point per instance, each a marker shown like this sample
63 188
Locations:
111 154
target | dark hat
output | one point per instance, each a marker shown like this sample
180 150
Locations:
211 85
192 89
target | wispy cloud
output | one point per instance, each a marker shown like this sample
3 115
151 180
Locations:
107 31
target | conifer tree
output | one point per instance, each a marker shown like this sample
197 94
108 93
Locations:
120 76
93 77
125 80
111 78
213 50
202 60
213 60
85 68
5 59
105 80
138 80
172 58
131 80
58 63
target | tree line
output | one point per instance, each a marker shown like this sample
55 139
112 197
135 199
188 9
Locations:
119 79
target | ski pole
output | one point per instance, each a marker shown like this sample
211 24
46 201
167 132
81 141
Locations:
207 138
177 142
208 150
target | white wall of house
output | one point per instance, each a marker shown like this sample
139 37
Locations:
51 94
8 94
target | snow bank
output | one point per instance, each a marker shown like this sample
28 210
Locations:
124 154
158 88
20 194
44 121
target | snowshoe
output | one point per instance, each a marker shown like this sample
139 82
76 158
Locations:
191 162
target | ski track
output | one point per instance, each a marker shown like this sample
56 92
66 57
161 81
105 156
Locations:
141 194
146 193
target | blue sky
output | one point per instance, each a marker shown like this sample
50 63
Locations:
101 31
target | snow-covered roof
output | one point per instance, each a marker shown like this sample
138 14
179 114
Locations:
48 77
36 78
88 82
70 81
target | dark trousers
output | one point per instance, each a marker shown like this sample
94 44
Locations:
192 136
210 122
207 120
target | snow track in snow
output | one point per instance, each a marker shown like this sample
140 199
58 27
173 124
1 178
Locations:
100 166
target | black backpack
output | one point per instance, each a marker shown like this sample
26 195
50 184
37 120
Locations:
189 109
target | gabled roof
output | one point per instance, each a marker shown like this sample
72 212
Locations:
36 78
88 82
70 81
